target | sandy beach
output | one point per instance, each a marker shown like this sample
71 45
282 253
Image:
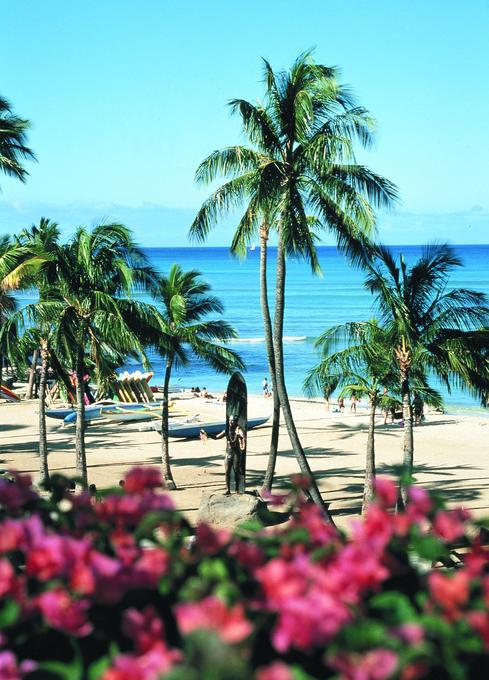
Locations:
451 452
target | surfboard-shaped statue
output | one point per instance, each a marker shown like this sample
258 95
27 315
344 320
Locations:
236 428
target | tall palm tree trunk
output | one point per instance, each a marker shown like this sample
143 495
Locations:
80 453
368 491
165 451
403 356
43 442
267 326
32 374
280 377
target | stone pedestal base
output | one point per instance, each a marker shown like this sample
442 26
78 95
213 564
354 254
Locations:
220 510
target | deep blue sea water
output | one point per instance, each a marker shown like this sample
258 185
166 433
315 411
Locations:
312 305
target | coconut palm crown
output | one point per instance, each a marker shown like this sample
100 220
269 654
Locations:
13 142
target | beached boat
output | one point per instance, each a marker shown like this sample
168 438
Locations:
192 430
62 412
97 411
124 415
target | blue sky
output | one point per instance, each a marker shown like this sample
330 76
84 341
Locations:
127 98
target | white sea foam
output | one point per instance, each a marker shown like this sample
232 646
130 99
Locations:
286 338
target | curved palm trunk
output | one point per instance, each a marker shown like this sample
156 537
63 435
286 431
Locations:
80 454
267 326
32 374
165 451
280 377
43 442
368 491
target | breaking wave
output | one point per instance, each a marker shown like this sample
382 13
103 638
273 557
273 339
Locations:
286 338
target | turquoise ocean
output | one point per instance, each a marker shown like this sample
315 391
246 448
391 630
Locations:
313 304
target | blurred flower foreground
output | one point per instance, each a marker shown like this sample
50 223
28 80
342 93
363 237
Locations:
123 588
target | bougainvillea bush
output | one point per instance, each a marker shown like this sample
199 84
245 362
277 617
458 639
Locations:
125 589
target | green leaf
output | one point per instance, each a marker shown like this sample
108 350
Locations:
251 525
97 668
395 608
213 570
71 671
300 674
9 614
364 635
429 548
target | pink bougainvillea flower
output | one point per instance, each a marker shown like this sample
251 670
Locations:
211 540
247 553
64 613
275 671
386 491
140 479
10 669
152 565
449 592
46 559
7 578
10 535
411 633
479 620
149 666
375 529
213 614
15 496
449 524
378 664
144 628
311 517
419 503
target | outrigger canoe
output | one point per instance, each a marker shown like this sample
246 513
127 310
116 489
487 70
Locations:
97 411
125 415
192 430
63 412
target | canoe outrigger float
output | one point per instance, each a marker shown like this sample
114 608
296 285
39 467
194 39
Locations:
192 430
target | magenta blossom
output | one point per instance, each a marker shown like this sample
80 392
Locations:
212 614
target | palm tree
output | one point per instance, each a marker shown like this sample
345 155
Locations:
268 330
91 310
361 367
13 138
357 358
434 329
42 242
300 162
17 266
185 303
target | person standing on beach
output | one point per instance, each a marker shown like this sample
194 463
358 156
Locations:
353 403
266 391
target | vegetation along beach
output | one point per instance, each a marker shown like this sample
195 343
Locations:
243 434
